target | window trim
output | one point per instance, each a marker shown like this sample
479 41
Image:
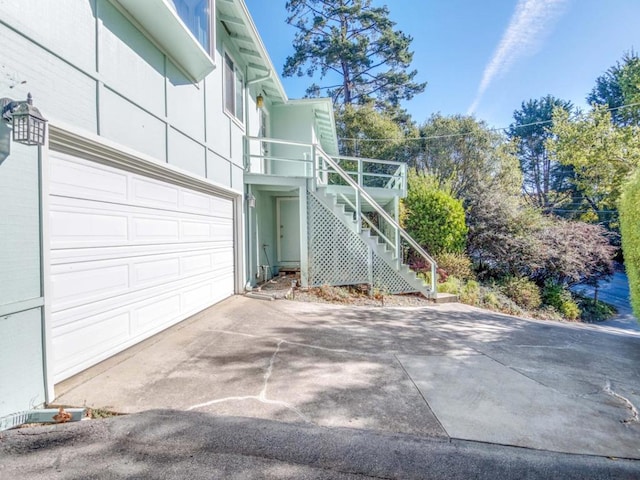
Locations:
236 72
211 48
160 22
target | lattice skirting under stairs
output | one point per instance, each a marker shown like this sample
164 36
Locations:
339 256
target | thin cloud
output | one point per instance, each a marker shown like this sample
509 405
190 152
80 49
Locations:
530 23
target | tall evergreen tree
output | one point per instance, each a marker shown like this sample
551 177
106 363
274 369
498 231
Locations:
547 183
618 86
353 46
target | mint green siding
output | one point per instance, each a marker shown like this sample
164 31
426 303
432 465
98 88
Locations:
88 66
21 366
21 378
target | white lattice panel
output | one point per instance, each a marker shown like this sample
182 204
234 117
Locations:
337 255
387 278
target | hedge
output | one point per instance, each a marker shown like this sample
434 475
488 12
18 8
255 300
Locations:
630 230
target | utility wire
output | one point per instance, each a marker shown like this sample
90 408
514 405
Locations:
495 129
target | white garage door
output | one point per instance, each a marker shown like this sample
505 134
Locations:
130 256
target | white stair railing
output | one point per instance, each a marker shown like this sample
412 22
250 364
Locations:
325 167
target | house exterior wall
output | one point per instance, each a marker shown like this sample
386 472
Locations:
295 124
89 66
109 79
21 303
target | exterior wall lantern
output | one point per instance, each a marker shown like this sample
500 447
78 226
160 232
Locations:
260 101
29 126
251 201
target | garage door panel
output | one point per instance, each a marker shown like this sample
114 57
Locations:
82 227
81 283
92 338
199 203
80 223
73 178
155 229
78 345
156 313
79 255
130 256
154 194
73 285
155 271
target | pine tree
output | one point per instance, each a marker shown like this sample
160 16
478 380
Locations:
353 46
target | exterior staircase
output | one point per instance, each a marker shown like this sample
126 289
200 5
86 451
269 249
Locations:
387 244
405 281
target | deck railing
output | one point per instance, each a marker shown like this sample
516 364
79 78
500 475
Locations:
270 156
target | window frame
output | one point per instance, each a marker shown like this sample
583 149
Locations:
238 75
210 48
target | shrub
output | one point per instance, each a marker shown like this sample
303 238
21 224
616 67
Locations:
558 297
570 309
507 238
594 310
433 217
630 230
451 285
455 264
470 293
523 292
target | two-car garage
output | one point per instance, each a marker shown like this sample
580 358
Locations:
130 254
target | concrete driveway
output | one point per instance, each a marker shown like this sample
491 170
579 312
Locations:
448 372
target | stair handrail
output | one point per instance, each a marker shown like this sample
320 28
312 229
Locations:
362 194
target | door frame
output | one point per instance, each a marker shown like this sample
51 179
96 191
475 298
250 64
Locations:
279 200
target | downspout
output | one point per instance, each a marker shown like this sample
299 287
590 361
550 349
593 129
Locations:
248 214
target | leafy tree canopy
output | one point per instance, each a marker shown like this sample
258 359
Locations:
465 155
354 46
601 154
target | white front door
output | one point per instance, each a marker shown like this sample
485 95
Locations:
130 256
288 219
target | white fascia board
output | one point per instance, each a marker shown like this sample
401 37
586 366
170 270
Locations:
162 23
253 31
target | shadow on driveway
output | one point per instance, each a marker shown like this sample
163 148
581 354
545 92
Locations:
446 371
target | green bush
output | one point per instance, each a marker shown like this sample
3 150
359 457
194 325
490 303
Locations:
433 217
594 311
470 293
451 285
630 230
455 264
523 292
558 297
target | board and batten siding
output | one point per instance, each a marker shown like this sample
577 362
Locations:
21 353
89 67
109 79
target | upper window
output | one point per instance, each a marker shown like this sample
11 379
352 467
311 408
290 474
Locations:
233 89
196 14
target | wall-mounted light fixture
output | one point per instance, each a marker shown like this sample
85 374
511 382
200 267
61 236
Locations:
251 201
260 101
29 126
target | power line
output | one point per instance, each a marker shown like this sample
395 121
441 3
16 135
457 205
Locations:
495 129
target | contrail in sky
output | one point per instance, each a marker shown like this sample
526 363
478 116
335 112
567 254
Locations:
529 24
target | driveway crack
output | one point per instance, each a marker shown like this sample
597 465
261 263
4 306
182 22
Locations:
635 417
262 395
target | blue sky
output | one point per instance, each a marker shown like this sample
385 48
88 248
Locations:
488 56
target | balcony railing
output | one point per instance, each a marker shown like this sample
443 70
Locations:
270 156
